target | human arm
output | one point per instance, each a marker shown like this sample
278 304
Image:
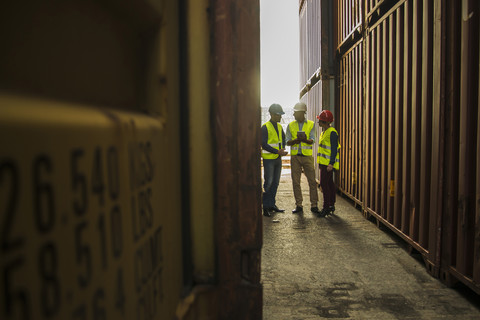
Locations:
282 150
265 144
311 136
308 141
268 147
333 154
290 141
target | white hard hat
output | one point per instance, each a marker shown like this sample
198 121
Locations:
300 107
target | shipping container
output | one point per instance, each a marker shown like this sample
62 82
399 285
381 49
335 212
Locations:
391 89
351 122
303 50
121 133
317 44
460 122
310 40
350 20
407 82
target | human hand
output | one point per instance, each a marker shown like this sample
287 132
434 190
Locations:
329 168
301 136
282 152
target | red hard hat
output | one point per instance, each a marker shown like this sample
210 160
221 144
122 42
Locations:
326 116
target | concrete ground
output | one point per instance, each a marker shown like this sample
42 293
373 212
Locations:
344 267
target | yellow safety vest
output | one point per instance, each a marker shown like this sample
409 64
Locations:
274 140
307 149
325 149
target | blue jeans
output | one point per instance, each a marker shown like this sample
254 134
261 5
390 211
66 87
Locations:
272 169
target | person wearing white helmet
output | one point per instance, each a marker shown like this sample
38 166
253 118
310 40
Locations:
300 137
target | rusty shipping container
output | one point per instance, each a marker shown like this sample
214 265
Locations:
398 94
407 83
460 197
117 198
351 122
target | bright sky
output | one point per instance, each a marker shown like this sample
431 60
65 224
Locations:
279 52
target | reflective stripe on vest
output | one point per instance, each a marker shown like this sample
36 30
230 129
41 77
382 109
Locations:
273 140
307 149
325 149
273 145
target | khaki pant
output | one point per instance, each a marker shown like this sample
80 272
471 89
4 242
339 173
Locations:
297 163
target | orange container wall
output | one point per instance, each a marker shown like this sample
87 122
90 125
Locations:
407 105
396 44
350 122
461 216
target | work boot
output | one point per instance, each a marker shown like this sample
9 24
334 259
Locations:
322 213
315 210
328 211
275 208
266 212
297 209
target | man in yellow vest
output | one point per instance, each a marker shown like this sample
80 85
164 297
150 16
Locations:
300 137
273 148
328 160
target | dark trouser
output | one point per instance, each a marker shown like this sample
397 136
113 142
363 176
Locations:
328 187
272 169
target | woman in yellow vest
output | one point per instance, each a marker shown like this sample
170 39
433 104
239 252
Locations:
273 148
328 160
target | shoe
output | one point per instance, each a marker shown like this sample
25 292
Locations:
322 213
266 213
297 210
327 211
315 210
275 208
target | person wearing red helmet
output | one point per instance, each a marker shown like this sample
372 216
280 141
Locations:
328 161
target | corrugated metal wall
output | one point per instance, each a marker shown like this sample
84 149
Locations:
350 15
316 46
314 13
310 41
351 121
460 203
399 80
304 76
407 114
